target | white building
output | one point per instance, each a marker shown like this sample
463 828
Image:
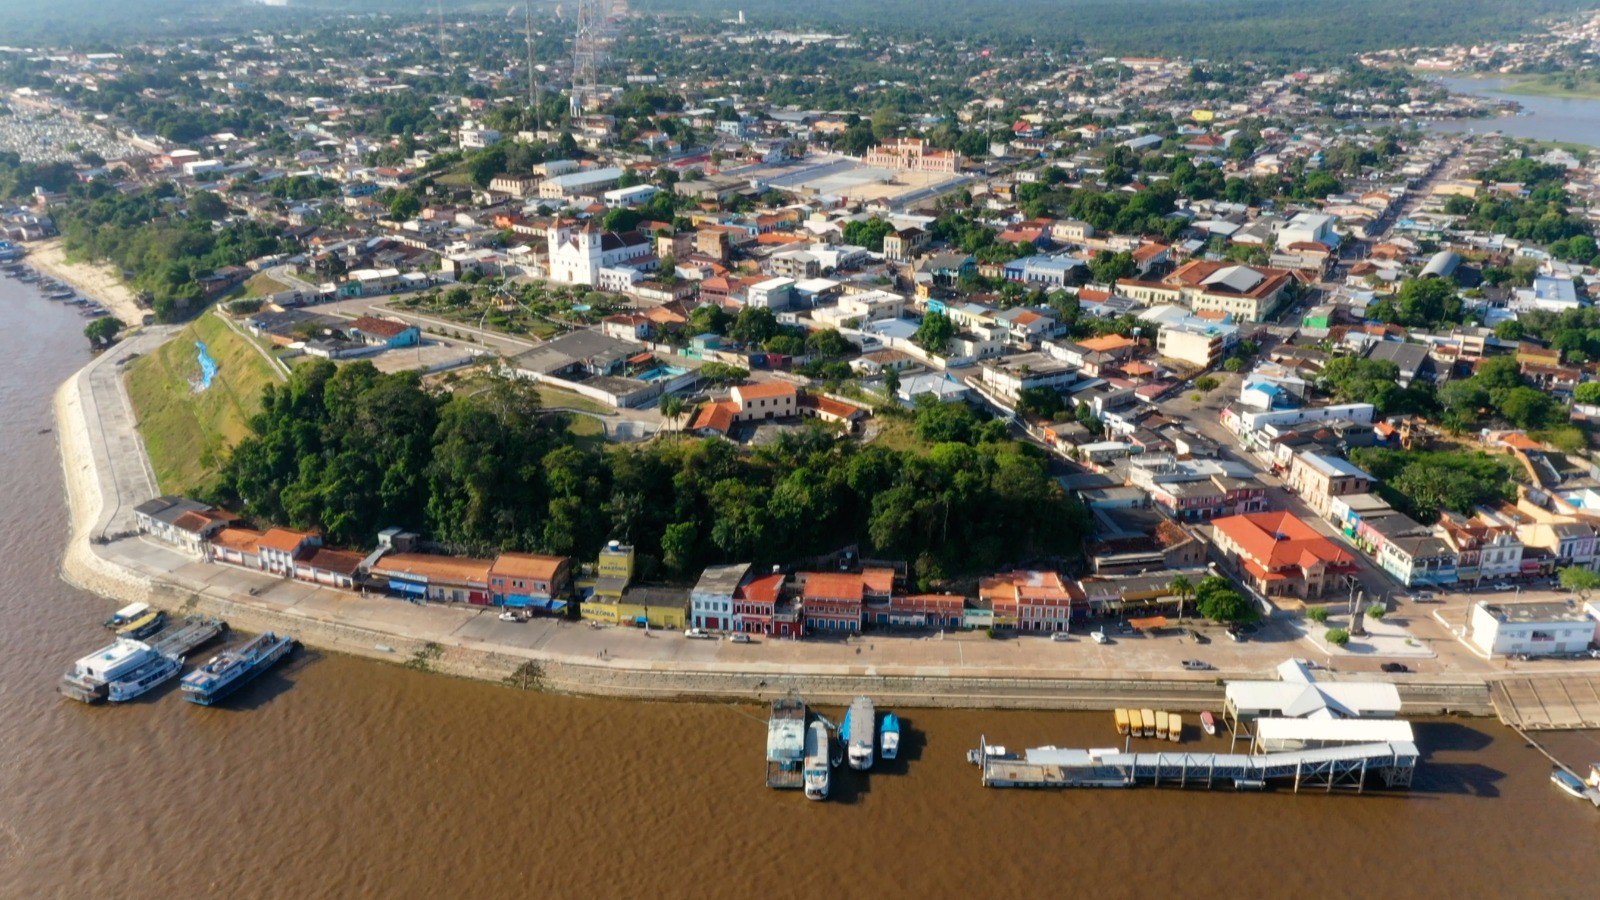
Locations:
1309 228
773 293
577 255
587 181
474 137
629 196
711 601
1537 629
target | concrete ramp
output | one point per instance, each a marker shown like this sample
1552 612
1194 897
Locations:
1548 704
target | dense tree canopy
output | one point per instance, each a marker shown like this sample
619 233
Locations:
1421 483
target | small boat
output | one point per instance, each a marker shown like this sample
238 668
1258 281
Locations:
889 736
1135 723
1160 732
1208 722
232 669
1567 781
127 614
1148 717
1121 717
147 624
818 768
1175 728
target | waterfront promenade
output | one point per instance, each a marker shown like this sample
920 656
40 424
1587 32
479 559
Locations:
107 474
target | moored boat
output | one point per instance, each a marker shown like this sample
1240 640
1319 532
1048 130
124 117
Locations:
232 669
1135 723
1567 781
126 614
1148 717
1175 728
889 736
1120 716
786 743
818 768
1208 722
143 625
863 721
90 678
158 670
1160 732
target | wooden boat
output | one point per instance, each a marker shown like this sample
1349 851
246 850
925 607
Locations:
1175 728
1149 717
1121 717
1567 781
1208 722
1160 732
1135 723
143 625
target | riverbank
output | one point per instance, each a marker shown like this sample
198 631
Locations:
107 475
98 281
1533 84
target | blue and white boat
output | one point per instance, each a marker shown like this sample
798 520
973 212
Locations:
1567 781
232 669
818 768
889 736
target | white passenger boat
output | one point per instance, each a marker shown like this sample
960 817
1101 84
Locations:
121 671
860 723
818 771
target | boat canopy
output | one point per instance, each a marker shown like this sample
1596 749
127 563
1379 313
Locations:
132 611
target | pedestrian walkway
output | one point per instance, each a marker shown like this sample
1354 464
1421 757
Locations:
1548 703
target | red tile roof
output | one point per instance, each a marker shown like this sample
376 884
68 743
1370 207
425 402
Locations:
283 539
748 392
1275 540
384 328
527 565
833 586
762 590
716 416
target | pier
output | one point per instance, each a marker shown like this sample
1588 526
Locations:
187 635
1327 767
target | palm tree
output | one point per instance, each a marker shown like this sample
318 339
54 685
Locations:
671 407
1180 586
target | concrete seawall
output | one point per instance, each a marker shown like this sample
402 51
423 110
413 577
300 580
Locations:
102 485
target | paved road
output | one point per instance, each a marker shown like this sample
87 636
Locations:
118 448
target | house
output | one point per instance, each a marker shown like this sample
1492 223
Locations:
1248 293
1486 545
1319 478
1279 554
278 549
654 607
1416 560
1412 360
712 599
1536 629
235 546
377 332
331 568
832 601
1030 600
763 606
445 579
181 521
529 580
943 611
765 401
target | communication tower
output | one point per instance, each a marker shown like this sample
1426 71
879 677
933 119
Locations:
588 51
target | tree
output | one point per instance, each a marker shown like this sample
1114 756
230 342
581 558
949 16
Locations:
1580 579
405 205
1588 392
102 332
208 205
1336 636
1318 614
754 325
935 332
1216 599
1107 267
1206 383
868 234
671 407
891 382
1181 586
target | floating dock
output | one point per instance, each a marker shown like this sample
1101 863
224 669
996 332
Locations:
1328 767
187 635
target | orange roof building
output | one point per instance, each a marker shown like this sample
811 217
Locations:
1281 554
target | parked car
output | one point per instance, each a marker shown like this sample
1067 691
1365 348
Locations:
1196 665
1503 586
699 634
1061 636
1099 637
739 637
1198 637
1395 667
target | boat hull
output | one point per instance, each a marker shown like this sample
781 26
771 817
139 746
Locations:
158 672
1567 782
83 691
217 693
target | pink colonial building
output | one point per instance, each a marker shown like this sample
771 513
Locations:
914 155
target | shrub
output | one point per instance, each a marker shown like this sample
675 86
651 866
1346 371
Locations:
1317 614
1337 637
1377 611
1206 383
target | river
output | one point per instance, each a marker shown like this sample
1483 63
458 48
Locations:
338 777
1573 119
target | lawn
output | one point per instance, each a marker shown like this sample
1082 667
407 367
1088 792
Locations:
262 285
187 433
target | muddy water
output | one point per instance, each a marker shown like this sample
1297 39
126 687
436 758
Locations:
334 777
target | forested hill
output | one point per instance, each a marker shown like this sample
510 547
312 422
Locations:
1218 29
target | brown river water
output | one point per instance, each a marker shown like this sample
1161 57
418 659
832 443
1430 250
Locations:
337 777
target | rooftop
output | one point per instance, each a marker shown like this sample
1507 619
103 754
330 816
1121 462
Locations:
1545 611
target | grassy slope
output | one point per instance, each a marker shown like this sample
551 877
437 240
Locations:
186 433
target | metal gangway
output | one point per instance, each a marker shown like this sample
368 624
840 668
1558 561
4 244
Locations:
1393 762
193 631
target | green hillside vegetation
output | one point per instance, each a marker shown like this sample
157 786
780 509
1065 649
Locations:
347 451
188 434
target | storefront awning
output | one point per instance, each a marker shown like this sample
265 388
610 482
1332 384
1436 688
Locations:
407 587
1149 622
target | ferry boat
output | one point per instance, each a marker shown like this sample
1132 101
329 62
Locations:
121 671
889 736
1567 781
818 772
1208 722
232 669
860 721
147 623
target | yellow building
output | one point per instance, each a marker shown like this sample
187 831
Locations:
616 561
659 607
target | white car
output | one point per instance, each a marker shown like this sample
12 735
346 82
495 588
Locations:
1503 586
1099 637
698 634
1061 636
739 637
